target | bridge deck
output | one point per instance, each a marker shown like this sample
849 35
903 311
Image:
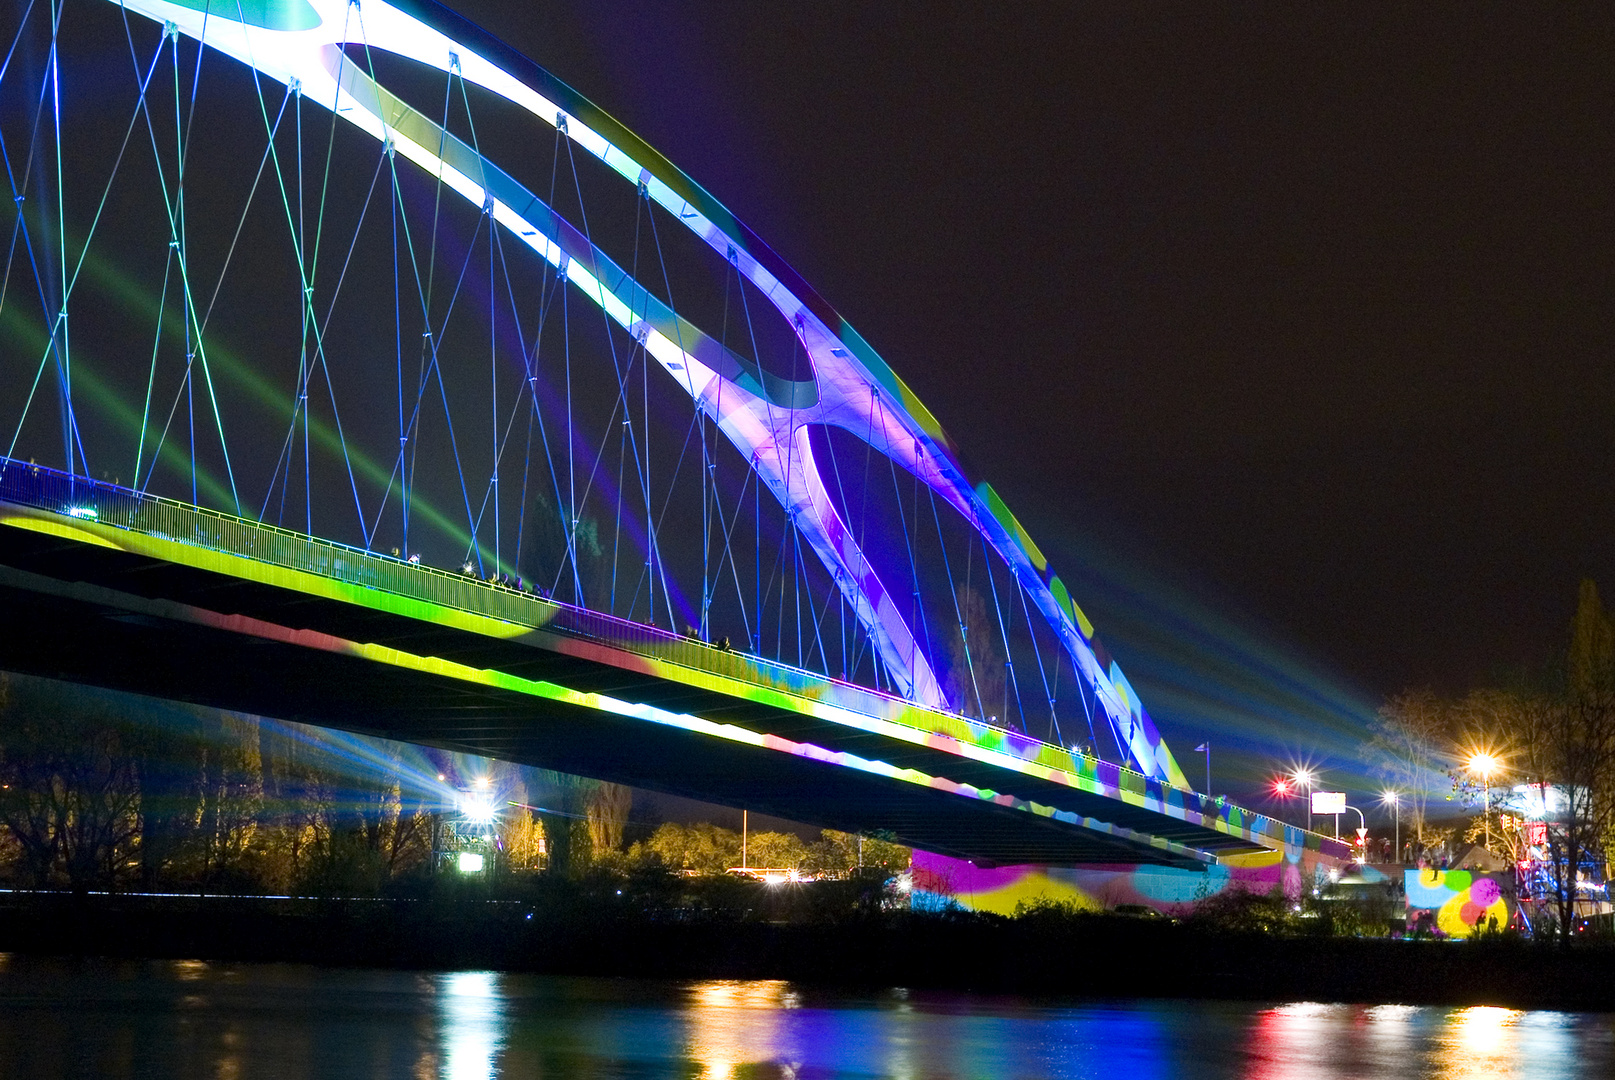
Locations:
165 598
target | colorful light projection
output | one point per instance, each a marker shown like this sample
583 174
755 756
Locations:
252 551
1459 903
940 881
301 42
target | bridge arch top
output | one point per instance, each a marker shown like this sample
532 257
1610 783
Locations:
852 386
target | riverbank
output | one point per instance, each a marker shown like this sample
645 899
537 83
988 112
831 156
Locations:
1064 954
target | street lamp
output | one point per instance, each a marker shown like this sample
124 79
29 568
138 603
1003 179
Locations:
1281 788
1302 778
1483 765
1393 799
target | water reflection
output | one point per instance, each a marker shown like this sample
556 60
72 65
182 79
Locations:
61 1019
734 1023
473 1024
1485 1043
1294 1041
1479 1042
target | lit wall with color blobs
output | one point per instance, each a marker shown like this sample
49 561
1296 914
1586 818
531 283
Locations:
1459 901
941 882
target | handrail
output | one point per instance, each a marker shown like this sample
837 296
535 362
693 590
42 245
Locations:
45 488
52 490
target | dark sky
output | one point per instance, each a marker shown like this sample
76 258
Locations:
1301 312
1285 330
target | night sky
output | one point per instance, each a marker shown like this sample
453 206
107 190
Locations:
1286 330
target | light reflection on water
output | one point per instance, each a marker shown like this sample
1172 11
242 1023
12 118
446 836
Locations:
64 1019
473 1024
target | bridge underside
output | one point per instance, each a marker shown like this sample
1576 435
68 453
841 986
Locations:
84 611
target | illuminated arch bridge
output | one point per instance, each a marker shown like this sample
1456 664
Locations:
551 460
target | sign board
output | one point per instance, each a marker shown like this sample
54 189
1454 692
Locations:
1328 802
1362 837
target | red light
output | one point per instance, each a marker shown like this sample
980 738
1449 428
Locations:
1281 787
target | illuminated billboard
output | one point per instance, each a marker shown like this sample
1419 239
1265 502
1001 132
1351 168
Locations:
1328 802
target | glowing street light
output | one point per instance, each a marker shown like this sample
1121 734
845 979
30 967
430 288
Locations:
1303 779
1284 788
1393 799
478 809
1483 764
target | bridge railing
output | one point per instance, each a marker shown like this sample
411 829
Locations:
79 497
58 492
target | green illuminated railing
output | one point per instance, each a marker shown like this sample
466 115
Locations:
79 497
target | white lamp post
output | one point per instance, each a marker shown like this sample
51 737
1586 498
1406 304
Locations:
1303 779
1484 764
1394 799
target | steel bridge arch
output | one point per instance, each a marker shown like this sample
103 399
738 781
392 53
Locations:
300 43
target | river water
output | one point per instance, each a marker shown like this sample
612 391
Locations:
189 1021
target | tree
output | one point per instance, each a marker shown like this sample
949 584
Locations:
775 851
69 788
520 830
703 848
1496 722
1410 735
607 814
231 788
299 804
1566 754
524 840
395 828
170 800
564 819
